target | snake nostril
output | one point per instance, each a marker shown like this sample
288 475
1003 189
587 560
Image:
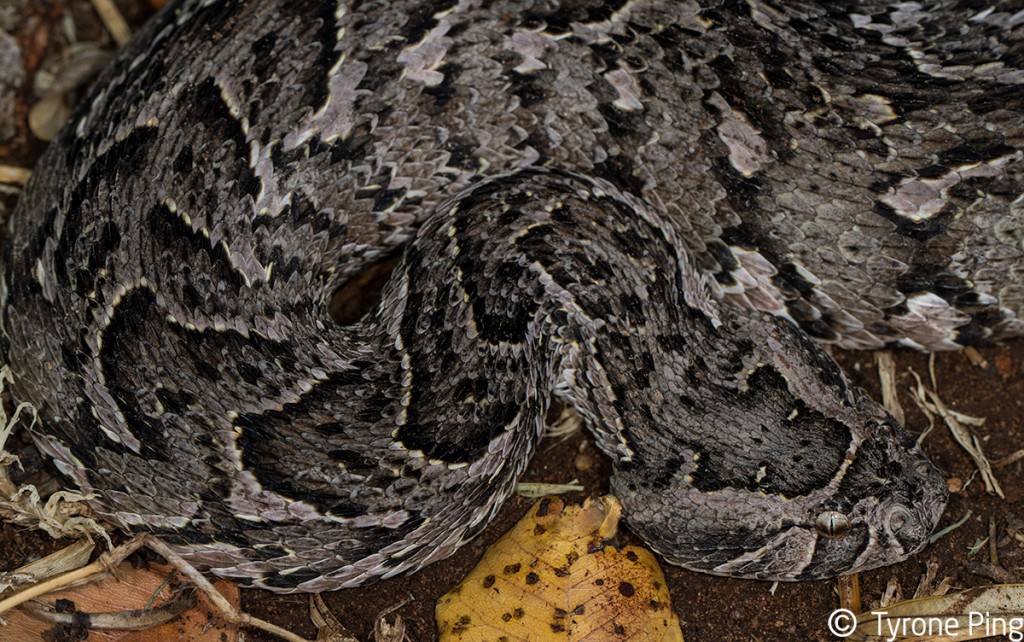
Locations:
897 519
923 468
832 524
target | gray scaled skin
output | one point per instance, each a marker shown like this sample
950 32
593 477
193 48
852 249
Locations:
648 208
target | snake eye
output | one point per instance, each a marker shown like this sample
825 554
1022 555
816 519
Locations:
832 525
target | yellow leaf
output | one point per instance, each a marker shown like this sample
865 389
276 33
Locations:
551 578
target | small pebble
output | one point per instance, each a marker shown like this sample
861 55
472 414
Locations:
584 462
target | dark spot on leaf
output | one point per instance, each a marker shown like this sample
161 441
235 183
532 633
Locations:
532 578
626 589
542 509
462 624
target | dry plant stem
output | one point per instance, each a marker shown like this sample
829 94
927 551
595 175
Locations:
926 586
997 574
892 594
113 21
383 631
975 357
103 564
887 377
1012 458
134 620
106 563
328 627
72 556
226 609
11 175
64 510
930 403
849 592
993 550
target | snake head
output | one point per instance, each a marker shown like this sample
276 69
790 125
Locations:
793 475
886 505
879 507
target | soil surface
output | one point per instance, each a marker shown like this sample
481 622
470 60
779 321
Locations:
713 609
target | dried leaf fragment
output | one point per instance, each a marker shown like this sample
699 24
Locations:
552 578
129 596
973 614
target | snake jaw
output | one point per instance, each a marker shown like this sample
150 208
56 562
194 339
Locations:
882 531
881 503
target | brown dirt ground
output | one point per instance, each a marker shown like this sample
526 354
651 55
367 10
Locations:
711 609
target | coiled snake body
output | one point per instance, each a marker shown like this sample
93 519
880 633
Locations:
643 207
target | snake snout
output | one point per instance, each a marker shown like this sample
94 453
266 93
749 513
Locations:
913 519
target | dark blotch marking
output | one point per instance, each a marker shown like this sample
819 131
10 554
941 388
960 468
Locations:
792 456
421 19
292 579
353 461
209 108
543 507
183 161
532 88
965 154
462 624
127 154
136 321
170 230
445 91
920 231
